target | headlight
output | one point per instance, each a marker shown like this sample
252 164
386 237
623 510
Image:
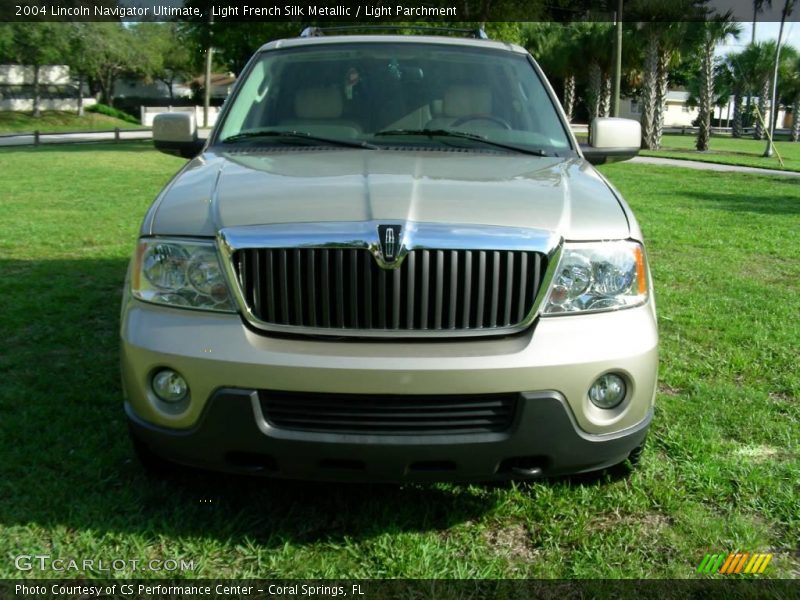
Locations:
598 276
183 273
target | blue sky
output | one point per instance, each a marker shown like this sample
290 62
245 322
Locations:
764 31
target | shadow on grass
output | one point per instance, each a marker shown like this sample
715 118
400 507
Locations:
751 202
66 459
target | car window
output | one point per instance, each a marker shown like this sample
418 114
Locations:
388 93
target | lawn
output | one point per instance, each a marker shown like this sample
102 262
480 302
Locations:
730 151
53 121
720 473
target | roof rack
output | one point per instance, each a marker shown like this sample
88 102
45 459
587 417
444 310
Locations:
478 33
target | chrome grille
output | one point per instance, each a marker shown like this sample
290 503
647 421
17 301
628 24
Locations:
388 414
345 289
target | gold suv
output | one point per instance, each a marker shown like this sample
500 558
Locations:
390 261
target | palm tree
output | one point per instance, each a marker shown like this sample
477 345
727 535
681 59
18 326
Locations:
733 71
758 6
556 48
755 65
597 43
792 94
711 32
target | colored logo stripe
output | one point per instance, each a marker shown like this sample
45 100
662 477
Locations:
735 562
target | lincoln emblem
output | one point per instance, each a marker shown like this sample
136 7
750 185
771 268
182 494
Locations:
389 236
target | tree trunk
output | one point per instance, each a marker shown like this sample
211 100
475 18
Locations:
736 129
605 102
649 91
758 130
796 120
706 96
37 100
569 96
593 93
661 98
80 95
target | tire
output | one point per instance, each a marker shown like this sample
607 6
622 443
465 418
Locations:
636 454
152 462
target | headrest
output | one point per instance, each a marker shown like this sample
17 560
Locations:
318 103
463 100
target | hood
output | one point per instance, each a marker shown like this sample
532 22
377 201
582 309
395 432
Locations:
268 186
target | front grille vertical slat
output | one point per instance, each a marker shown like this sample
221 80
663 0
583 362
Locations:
284 285
467 289
382 298
298 288
339 288
270 280
242 264
368 267
523 285
411 261
353 300
423 298
451 313
312 287
325 289
257 281
481 289
439 298
495 289
397 275
509 295
346 289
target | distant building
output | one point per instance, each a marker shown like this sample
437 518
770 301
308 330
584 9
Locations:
679 113
57 89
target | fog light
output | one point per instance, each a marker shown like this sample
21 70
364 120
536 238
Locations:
169 386
608 391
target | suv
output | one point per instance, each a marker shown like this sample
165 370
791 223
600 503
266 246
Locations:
390 261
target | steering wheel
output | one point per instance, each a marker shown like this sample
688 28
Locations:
481 117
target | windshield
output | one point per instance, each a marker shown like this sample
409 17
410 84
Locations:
400 94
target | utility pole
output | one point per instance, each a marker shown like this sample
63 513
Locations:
617 62
788 5
207 83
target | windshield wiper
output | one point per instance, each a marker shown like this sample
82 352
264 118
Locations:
463 135
302 135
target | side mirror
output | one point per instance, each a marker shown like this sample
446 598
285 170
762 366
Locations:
176 133
613 140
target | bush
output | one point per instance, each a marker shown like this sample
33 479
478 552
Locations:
110 111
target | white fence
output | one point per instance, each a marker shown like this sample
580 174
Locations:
149 112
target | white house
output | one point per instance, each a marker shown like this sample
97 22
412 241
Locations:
57 89
679 114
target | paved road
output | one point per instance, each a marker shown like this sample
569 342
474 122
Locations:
146 134
707 166
64 138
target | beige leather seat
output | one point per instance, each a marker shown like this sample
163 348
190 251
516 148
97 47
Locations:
319 110
461 101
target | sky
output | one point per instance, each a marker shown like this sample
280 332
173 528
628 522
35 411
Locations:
764 31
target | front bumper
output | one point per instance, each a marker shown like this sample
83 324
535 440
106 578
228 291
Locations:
551 366
234 436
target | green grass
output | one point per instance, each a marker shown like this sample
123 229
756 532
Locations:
730 151
53 121
720 472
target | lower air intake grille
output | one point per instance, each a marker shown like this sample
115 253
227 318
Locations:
345 289
388 414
